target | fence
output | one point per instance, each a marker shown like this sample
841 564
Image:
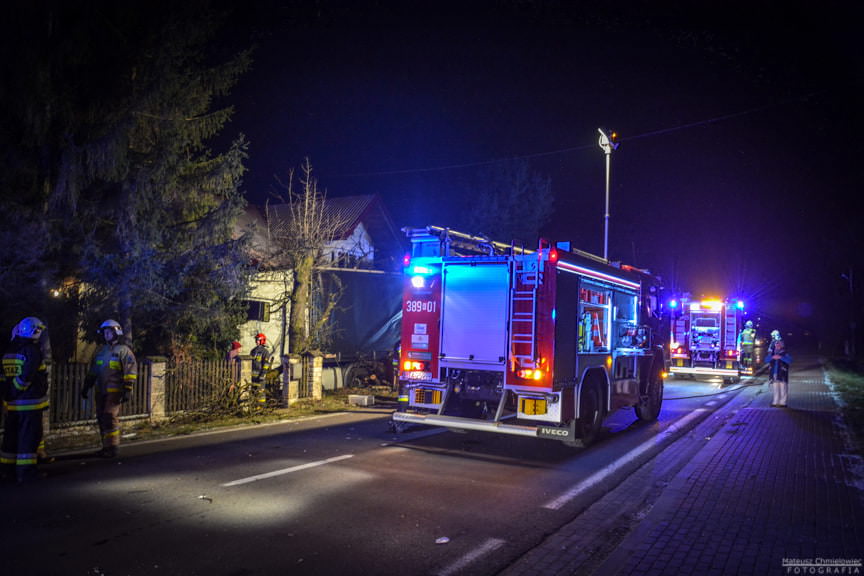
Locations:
166 387
192 384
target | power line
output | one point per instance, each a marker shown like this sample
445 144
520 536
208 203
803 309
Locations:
659 132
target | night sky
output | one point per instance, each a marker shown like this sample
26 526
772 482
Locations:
739 168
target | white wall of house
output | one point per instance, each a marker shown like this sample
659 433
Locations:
268 288
358 246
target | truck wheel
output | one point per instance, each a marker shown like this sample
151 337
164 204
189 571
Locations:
649 407
591 420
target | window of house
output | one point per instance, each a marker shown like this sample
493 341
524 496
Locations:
258 310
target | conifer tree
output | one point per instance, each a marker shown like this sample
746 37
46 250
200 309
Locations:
141 209
509 202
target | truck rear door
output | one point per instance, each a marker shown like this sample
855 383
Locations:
474 315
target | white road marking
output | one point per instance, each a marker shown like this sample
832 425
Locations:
488 546
602 474
711 403
287 470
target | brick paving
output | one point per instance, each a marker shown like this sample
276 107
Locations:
771 484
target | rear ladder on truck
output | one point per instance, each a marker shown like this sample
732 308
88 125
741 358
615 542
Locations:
523 312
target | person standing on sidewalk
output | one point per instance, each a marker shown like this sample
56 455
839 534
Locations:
779 361
25 395
114 371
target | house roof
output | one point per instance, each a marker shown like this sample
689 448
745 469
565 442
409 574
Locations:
352 210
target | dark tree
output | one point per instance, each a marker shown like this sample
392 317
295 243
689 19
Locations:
114 133
508 202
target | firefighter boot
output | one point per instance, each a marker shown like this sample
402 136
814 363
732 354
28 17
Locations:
107 452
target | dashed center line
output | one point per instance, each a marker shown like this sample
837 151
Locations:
488 546
275 473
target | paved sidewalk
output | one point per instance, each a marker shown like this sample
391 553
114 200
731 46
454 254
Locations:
772 486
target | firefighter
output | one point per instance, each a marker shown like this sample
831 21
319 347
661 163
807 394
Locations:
25 395
746 341
114 372
261 364
779 360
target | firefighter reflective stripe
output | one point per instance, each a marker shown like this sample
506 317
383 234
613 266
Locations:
13 367
26 459
26 404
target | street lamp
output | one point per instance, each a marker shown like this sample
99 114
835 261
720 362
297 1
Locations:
608 143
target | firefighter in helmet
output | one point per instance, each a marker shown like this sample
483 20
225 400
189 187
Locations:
746 342
261 365
113 372
25 394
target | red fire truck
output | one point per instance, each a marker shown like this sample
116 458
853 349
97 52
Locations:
543 343
704 336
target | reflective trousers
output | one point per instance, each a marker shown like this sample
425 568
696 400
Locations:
22 434
108 417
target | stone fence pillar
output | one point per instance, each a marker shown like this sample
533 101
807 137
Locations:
291 374
313 368
156 385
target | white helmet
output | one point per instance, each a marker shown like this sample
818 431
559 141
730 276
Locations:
118 330
748 324
775 334
30 328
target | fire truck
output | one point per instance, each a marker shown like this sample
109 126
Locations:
704 336
542 342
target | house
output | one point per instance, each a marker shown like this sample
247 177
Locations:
365 257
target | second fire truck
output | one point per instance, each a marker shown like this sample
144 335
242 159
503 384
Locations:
704 337
542 343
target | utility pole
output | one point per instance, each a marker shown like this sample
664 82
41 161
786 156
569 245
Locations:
608 143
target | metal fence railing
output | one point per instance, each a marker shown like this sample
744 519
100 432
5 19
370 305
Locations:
69 408
188 385
193 384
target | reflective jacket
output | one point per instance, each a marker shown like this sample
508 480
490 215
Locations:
261 359
114 368
25 377
747 337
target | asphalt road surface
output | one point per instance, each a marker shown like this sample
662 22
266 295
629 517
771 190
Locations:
338 494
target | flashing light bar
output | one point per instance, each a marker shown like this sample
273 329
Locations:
598 275
714 305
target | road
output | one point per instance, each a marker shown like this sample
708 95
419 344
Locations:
337 494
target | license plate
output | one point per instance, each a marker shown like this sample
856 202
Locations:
533 406
423 396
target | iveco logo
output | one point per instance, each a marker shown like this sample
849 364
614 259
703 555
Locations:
544 431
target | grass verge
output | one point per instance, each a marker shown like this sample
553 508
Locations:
848 380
